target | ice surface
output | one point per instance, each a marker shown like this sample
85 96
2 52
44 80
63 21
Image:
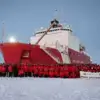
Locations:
49 89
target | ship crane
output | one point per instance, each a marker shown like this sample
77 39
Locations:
54 24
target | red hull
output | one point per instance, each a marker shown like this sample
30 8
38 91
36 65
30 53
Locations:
27 53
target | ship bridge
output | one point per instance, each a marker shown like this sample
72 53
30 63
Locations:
56 27
58 34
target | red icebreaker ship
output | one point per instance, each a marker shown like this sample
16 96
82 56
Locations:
55 45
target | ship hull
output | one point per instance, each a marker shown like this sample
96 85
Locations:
14 53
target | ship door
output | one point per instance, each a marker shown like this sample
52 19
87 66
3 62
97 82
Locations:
25 58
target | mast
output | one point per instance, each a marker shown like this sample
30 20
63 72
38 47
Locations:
56 14
54 24
3 32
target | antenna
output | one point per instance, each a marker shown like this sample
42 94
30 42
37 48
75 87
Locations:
56 14
3 32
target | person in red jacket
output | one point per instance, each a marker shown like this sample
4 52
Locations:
66 72
36 71
21 72
40 68
45 70
51 71
10 71
31 70
56 71
25 67
0 70
61 71
3 71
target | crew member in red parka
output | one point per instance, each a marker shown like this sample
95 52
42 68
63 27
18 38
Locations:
40 68
0 70
31 70
3 70
10 71
45 70
36 70
20 71
62 71
25 69
51 71
56 71
66 72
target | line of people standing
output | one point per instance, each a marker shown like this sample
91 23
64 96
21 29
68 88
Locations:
24 70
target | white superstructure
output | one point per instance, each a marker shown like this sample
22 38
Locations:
62 36
58 37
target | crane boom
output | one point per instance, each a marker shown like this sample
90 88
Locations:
44 34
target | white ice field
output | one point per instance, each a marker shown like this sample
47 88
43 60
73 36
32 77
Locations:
49 89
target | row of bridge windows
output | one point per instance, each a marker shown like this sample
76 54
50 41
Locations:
54 30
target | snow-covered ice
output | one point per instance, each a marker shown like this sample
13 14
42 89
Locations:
49 89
